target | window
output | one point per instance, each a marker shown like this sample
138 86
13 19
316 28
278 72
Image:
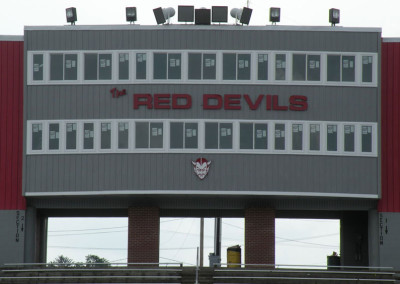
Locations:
262 70
202 66
341 68
253 136
236 66
314 137
331 137
71 136
167 66
105 139
63 66
218 135
98 66
183 135
141 59
297 136
54 136
146 137
123 72
37 136
38 67
349 138
367 69
88 136
123 135
280 67
302 71
366 138
279 136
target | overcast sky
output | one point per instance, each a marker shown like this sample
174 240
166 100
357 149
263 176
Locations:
19 13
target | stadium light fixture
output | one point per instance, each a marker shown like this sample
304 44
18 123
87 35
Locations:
131 15
334 16
274 15
241 15
71 15
163 15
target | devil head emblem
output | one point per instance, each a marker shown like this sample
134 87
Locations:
201 167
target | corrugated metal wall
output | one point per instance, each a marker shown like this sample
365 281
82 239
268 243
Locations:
230 172
11 122
390 201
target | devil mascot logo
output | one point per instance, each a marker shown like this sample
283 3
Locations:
201 167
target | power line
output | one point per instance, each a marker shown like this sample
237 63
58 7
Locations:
106 228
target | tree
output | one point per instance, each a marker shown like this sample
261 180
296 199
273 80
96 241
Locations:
62 261
96 261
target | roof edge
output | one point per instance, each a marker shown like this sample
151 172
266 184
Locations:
204 27
11 38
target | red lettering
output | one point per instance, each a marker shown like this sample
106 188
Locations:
177 97
213 97
250 103
298 103
232 102
116 93
142 100
161 101
275 104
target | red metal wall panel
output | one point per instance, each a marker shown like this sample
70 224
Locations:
11 124
390 129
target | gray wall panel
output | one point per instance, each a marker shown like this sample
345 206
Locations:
280 173
12 247
93 102
169 37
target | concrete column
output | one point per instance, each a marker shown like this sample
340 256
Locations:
143 234
373 238
259 236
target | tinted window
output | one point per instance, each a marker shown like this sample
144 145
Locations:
123 135
156 135
211 138
280 67
299 67
191 135
313 68
366 139
37 136
88 136
334 68
141 59
90 66
246 135
332 138
54 136
105 135
348 67
279 137
261 136
71 67
314 137
142 135
71 136
105 65
367 68
38 67
174 66
56 66
297 137
225 137
209 66
194 66
349 138
229 66
160 66
176 135
243 67
262 72
123 72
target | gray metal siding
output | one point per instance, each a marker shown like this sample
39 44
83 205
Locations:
93 102
269 173
215 38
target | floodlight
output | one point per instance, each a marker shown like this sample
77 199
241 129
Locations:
246 15
334 16
159 15
236 13
168 13
274 15
185 13
219 14
71 15
131 14
202 16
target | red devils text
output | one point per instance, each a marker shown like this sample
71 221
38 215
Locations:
217 102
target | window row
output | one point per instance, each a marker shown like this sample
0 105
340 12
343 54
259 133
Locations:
301 137
211 66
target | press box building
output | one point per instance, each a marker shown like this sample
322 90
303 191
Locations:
212 121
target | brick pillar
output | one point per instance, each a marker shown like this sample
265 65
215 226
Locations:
143 234
259 236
